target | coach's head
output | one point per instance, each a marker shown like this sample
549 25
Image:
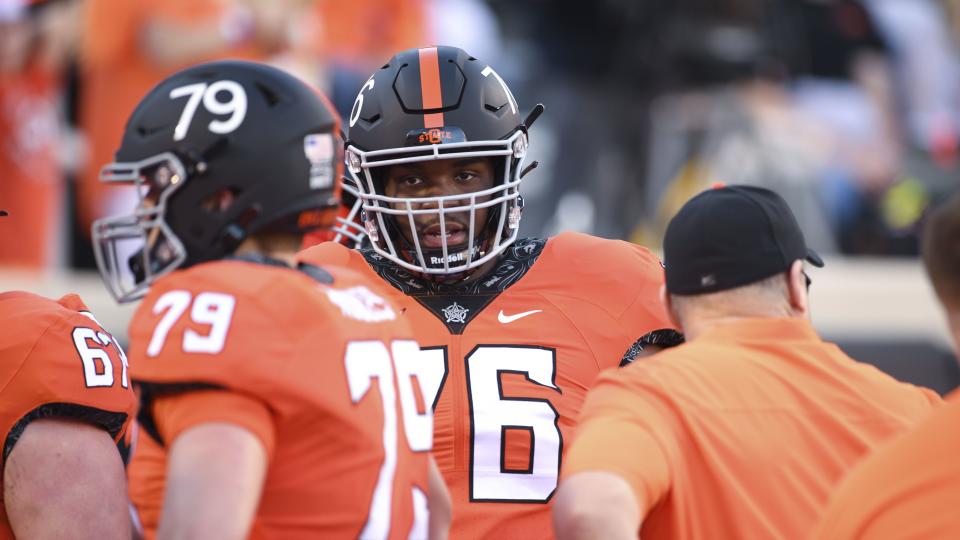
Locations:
735 252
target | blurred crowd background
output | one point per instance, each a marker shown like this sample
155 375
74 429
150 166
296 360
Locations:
849 108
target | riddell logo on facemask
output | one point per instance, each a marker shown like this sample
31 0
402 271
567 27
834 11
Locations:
455 257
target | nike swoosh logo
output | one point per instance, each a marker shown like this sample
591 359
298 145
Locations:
506 319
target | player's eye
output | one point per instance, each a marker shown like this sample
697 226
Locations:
465 176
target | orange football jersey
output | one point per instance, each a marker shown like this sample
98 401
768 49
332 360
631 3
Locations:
58 361
325 374
512 356
742 432
909 488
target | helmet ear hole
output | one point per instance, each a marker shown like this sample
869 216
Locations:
220 201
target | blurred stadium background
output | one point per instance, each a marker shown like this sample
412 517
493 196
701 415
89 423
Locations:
849 108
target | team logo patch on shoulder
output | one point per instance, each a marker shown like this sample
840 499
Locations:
362 304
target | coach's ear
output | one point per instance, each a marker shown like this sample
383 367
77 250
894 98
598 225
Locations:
668 305
799 294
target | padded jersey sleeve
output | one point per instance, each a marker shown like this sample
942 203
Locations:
74 369
646 312
617 293
242 342
212 337
174 414
622 432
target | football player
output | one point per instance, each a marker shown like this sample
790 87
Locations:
513 330
65 407
278 400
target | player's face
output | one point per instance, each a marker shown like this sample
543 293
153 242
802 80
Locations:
435 179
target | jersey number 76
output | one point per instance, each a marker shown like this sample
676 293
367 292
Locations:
492 416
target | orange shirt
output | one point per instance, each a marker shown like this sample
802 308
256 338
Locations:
742 432
510 378
58 361
117 73
292 358
31 183
910 488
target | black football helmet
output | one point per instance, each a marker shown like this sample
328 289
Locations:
428 104
217 152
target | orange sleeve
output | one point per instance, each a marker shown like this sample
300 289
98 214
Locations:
647 279
79 366
174 414
621 433
60 363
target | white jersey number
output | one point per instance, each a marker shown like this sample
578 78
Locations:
209 308
97 366
492 415
369 360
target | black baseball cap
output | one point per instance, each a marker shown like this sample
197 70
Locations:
731 236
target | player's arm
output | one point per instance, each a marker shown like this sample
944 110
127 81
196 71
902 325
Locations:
220 444
65 479
596 504
618 465
441 508
215 474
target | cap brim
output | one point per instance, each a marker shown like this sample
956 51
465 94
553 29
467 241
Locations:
814 259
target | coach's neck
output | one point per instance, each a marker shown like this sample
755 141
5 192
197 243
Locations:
779 296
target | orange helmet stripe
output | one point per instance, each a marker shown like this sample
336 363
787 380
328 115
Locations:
430 87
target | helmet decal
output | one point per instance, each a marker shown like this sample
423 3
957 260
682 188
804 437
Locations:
431 93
